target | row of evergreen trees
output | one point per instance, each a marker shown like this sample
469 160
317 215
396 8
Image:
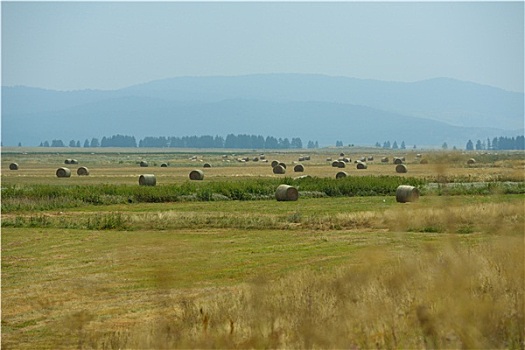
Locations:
242 141
498 143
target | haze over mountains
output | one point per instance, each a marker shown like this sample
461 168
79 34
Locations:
312 107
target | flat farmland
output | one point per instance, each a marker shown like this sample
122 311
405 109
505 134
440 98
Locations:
99 262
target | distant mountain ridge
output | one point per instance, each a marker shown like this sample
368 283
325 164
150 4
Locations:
312 107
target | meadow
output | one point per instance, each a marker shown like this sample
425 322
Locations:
99 262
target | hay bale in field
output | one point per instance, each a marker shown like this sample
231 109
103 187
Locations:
423 161
279 169
74 161
406 193
384 160
286 193
13 166
362 159
274 163
341 154
196 175
341 164
147 180
206 165
82 171
307 157
398 160
67 161
164 165
401 168
370 158
303 177
471 161
361 165
299 168
335 164
255 159
301 159
347 160
144 164
341 174
282 164
63 172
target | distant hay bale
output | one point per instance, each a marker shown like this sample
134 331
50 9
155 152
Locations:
63 172
255 159
471 161
196 175
164 165
286 193
274 163
423 161
303 177
341 174
13 166
405 193
143 164
282 164
335 164
279 169
206 165
362 159
67 161
301 159
299 168
74 161
341 154
370 158
147 180
384 160
401 168
361 165
82 171
347 160
341 164
398 160
307 158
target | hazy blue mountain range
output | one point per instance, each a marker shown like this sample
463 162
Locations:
312 107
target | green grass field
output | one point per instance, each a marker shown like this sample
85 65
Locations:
99 262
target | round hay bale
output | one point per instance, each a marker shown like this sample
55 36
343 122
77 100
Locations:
347 160
67 161
74 161
335 164
279 169
164 165
275 163
63 172
299 168
471 161
341 164
286 193
147 180
401 168
384 160
82 171
196 175
301 159
206 165
341 174
370 158
143 164
341 154
282 164
361 166
398 161
405 193
13 166
423 161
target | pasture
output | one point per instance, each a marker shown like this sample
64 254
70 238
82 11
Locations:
99 262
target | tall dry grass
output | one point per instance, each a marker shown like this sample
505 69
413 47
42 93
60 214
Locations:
453 296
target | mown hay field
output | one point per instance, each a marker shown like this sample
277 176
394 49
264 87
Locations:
332 270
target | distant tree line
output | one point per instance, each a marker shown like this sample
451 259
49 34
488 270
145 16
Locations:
393 145
241 141
498 143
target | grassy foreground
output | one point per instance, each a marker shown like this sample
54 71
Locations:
340 272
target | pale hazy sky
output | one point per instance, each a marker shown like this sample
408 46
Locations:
109 45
